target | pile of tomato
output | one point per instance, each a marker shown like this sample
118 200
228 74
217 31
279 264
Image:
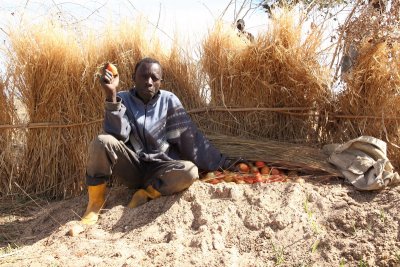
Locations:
253 172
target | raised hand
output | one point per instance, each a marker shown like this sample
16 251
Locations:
109 83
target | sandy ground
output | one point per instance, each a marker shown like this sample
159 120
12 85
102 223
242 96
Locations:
278 224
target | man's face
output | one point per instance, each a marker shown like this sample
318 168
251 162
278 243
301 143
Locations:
148 80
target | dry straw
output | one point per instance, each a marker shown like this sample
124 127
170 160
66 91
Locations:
280 69
124 45
55 77
48 67
274 88
372 85
6 161
181 76
56 70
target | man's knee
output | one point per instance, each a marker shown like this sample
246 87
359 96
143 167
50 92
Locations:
101 158
177 180
102 141
191 170
189 174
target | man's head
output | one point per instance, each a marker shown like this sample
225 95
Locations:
240 24
147 77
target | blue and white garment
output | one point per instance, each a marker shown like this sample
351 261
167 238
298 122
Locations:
160 130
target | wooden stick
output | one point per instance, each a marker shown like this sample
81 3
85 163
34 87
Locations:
47 125
227 109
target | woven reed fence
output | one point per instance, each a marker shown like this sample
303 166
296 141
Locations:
58 88
6 117
272 89
280 70
369 105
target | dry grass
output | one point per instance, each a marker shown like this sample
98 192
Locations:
49 67
55 77
373 88
274 88
6 162
280 69
124 45
182 77
372 85
55 71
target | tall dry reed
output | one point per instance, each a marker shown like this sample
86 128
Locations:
369 104
280 69
6 144
56 72
48 71
371 99
182 77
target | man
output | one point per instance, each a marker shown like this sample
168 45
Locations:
150 142
240 26
379 5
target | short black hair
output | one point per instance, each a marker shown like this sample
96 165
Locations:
240 24
146 60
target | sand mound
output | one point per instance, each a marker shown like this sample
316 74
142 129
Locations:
287 224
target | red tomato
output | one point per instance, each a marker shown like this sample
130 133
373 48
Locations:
275 171
257 178
277 178
249 180
112 68
259 164
214 181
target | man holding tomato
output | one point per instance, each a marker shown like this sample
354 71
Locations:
150 142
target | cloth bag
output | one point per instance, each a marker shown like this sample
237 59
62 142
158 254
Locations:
363 162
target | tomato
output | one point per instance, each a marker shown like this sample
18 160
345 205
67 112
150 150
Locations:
112 68
265 170
210 175
275 171
258 178
277 178
254 170
243 167
248 180
228 178
214 181
259 164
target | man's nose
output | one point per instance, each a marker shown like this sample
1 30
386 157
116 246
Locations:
149 81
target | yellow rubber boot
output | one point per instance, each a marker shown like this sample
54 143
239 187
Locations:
142 196
96 201
152 193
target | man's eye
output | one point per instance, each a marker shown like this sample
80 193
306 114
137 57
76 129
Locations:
154 78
